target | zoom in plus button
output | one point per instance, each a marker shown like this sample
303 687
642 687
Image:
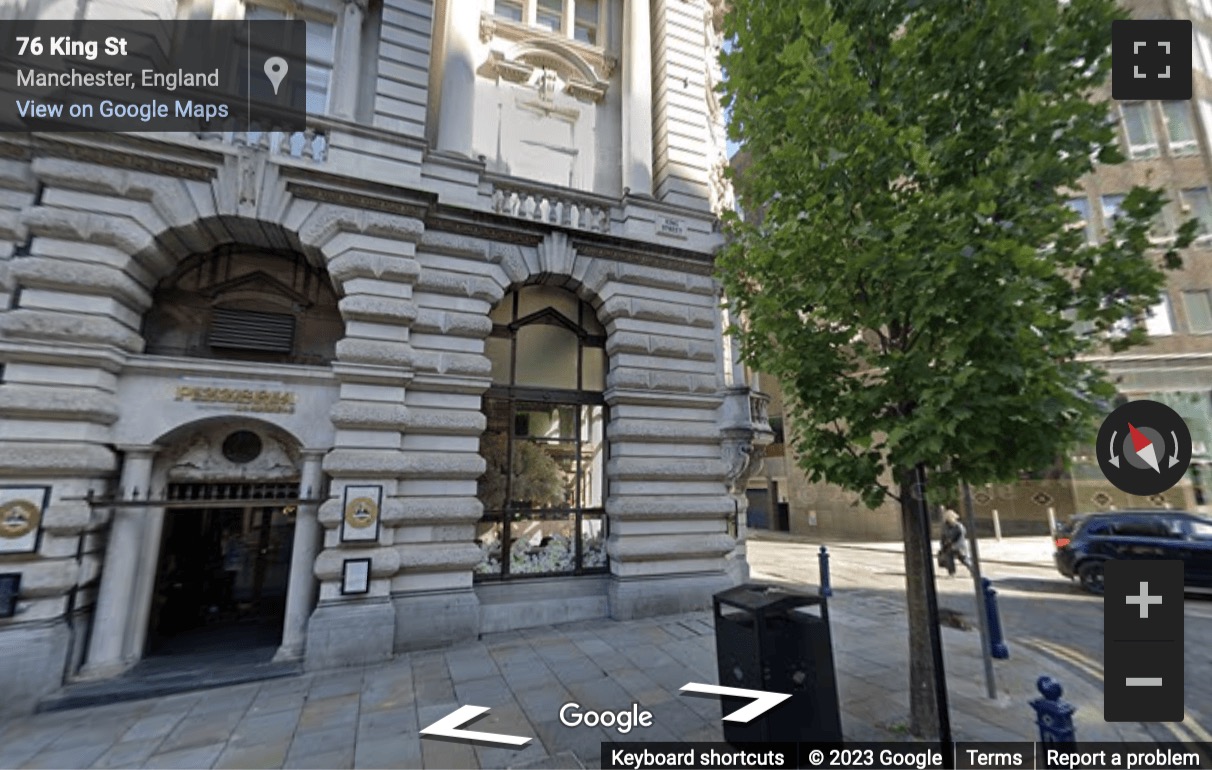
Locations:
1144 448
1143 640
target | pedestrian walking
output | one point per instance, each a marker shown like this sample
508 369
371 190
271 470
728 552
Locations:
953 545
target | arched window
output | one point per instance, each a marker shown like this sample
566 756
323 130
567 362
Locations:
245 304
545 445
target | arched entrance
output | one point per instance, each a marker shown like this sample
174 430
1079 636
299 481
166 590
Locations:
226 542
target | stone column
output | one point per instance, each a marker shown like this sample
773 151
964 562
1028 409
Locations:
457 109
106 644
152 529
637 98
301 590
349 60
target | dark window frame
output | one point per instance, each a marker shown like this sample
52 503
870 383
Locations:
513 396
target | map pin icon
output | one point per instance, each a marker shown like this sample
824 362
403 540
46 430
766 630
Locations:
275 70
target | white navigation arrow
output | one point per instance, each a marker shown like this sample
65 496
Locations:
1174 457
448 727
1114 457
762 701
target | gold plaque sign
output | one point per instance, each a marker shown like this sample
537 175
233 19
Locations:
21 513
240 399
360 524
18 518
361 512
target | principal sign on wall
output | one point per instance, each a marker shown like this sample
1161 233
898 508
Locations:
238 397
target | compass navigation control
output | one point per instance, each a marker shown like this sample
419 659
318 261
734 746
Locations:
1144 448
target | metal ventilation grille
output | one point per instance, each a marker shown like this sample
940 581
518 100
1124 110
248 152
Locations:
252 330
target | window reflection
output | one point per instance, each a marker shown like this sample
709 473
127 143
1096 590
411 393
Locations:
544 484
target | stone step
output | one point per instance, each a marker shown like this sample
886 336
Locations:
155 678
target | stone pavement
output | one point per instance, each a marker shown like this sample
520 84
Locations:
1030 549
369 717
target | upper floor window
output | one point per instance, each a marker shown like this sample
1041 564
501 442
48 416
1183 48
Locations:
1180 128
1082 207
509 9
1138 126
577 19
1199 311
1204 45
321 49
1112 209
1158 320
1200 205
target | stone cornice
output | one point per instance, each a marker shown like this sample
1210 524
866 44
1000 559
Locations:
652 255
310 183
132 154
355 200
490 227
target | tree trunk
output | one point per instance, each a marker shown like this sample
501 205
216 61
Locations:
927 692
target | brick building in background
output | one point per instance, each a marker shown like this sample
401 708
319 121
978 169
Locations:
447 362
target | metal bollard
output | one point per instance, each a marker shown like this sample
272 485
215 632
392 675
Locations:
823 556
997 645
1054 716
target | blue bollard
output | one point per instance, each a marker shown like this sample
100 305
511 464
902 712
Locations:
997 645
1053 715
826 589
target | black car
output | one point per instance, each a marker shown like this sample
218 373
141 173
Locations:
1087 540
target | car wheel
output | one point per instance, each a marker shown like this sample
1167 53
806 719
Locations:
1091 574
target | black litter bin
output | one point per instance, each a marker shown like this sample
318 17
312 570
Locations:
768 638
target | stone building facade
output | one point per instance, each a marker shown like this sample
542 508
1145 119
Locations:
450 361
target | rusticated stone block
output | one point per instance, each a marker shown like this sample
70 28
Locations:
67 517
369 264
438 557
434 510
45 325
455 245
662 547
47 577
50 403
397 464
460 285
670 506
381 352
447 422
75 225
384 561
368 414
464 364
81 277
329 221
655 431
654 310
663 469
56 459
457 324
366 307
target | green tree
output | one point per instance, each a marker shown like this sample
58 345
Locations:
911 272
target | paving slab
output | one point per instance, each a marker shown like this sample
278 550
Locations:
370 717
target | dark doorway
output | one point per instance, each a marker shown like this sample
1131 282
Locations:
758 515
221 580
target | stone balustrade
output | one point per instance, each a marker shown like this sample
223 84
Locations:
310 144
759 404
563 210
